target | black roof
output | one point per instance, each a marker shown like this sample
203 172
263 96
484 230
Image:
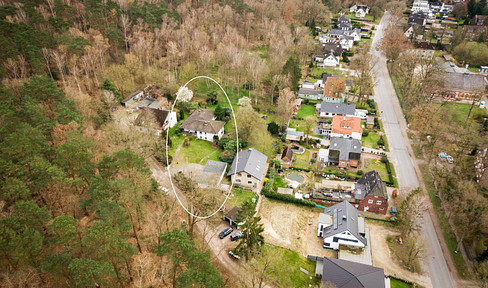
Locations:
371 184
348 274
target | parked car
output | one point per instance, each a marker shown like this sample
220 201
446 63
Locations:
225 232
393 210
235 236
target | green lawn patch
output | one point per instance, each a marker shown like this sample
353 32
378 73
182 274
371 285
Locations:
285 269
444 224
197 150
278 182
318 71
306 110
395 283
301 166
371 140
176 141
240 197
302 157
377 165
460 111
297 124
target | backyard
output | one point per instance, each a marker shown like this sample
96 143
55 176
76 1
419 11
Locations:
302 157
374 164
371 140
306 110
239 197
317 72
198 151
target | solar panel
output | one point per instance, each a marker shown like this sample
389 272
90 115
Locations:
335 220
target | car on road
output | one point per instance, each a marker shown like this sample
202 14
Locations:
225 232
235 236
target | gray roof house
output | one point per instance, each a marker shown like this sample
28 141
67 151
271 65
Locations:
344 152
342 224
329 109
344 23
248 168
293 135
348 274
371 184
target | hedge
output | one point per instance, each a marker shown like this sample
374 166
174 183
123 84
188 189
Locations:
299 169
287 198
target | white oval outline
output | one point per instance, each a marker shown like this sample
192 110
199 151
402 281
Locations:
236 157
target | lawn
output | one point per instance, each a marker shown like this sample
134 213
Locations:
301 166
176 141
306 110
285 269
302 157
198 150
377 165
371 140
317 72
240 197
298 124
460 111
395 283
278 182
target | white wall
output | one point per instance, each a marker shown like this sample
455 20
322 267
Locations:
343 235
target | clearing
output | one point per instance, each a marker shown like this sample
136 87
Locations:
306 110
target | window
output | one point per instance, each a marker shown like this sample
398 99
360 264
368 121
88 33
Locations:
327 244
249 182
382 208
370 201
240 174
378 202
248 176
238 180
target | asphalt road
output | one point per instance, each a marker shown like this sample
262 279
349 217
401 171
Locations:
395 129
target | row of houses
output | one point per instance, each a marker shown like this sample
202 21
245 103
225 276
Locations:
336 41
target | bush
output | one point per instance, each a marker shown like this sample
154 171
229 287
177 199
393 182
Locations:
186 142
365 133
360 172
273 128
381 142
313 160
388 167
227 156
384 159
287 198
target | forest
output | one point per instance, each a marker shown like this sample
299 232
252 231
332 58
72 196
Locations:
79 207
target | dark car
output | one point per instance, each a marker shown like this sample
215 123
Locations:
225 232
235 236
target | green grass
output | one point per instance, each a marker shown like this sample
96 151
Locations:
278 182
460 111
302 157
176 141
240 197
373 164
298 124
395 283
371 140
318 71
444 224
197 150
306 110
301 166
285 269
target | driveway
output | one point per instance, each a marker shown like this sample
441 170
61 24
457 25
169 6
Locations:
402 157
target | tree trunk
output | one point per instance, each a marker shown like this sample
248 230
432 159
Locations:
134 229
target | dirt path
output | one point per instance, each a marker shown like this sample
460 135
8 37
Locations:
382 256
219 247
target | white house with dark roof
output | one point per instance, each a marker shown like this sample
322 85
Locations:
203 125
342 224
155 120
329 109
248 169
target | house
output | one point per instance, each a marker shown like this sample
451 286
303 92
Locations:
127 102
339 34
354 8
333 48
202 124
347 274
370 122
418 18
157 120
484 69
330 60
346 127
324 128
421 6
293 135
347 42
329 109
248 169
479 20
344 23
344 152
298 103
233 216
312 94
342 224
371 193
460 84
212 174
334 89
287 157
423 50
475 32
360 13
